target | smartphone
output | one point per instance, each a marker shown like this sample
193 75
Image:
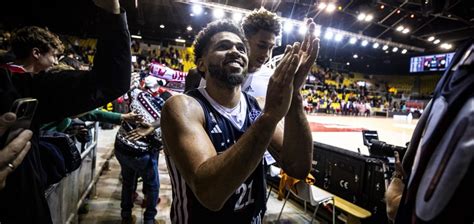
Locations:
24 108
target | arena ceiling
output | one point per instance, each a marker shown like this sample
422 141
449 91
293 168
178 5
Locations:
451 21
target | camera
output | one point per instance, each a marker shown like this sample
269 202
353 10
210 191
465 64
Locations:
379 148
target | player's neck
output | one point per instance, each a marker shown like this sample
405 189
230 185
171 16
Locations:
225 96
253 68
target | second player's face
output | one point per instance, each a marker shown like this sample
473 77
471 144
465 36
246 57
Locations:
261 46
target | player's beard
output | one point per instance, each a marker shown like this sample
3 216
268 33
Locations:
226 77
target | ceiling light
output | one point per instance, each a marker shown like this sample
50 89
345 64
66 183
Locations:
382 6
355 56
302 29
331 7
237 16
288 27
162 26
361 16
446 46
404 51
364 43
385 47
412 16
339 8
218 13
398 11
395 49
400 28
406 30
317 31
136 36
338 37
375 45
369 18
180 40
197 9
353 40
431 38
322 5
436 41
348 63
189 28
328 35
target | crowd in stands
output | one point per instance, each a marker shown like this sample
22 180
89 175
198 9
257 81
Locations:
332 92
326 90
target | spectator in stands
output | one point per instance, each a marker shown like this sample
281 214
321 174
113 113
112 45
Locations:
23 198
215 138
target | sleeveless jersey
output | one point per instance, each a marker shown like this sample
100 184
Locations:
247 204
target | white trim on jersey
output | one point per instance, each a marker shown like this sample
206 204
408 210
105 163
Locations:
180 200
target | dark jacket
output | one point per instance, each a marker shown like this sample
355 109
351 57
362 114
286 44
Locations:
61 95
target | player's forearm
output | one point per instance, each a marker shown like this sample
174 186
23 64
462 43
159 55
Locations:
297 151
219 177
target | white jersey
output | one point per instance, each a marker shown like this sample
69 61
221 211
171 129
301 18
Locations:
256 83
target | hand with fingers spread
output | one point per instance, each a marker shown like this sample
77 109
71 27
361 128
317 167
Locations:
307 54
14 152
280 88
142 131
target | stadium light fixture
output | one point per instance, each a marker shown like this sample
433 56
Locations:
162 26
400 28
197 9
431 38
338 37
361 16
302 30
355 56
322 5
375 45
395 49
189 28
317 31
364 43
328 35
446 46
353 40
288 27
236 16
369 18
404 51
385 47
218 13
406 30
436 41
330 8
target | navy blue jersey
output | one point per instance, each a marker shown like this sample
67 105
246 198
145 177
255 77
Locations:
247 204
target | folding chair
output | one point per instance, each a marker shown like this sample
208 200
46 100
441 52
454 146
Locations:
313 195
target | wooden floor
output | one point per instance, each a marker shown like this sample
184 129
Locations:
344 132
